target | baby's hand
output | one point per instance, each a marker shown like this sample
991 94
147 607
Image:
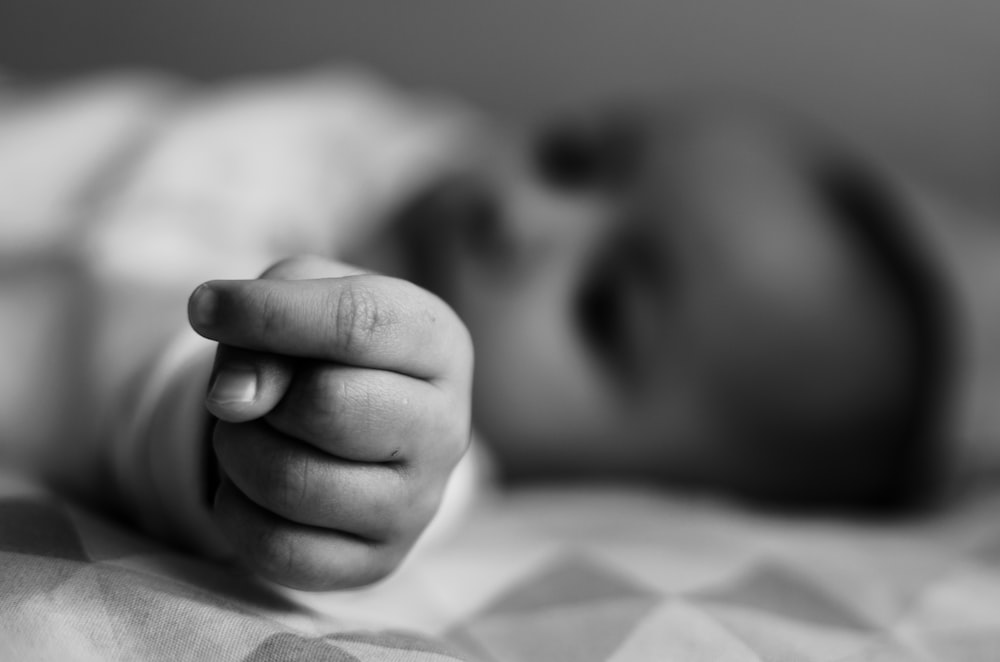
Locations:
344 404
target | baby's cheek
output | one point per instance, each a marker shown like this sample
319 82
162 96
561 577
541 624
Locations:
535 399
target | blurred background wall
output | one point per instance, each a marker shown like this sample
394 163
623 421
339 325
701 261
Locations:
917 79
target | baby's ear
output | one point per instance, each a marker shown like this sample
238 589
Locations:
305 267
884 221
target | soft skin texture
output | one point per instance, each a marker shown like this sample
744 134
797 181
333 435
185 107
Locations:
632 298
343 401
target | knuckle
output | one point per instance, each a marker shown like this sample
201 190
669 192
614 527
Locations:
451 428
287 483
358 316
461 350
340 403
273 552
271 312
330 394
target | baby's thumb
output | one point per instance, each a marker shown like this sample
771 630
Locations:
246 385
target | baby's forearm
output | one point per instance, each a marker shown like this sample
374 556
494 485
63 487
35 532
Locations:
161 453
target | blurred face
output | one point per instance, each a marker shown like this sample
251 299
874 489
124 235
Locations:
641 303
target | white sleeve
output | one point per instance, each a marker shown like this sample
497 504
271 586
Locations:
161 452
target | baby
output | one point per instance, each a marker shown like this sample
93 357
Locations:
710 299
702 296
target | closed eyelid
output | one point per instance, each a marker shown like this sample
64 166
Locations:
589 153
616 309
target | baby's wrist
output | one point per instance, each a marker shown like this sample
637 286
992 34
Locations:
163 462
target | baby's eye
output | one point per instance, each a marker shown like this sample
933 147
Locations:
599 310
580 153
604 318
619 305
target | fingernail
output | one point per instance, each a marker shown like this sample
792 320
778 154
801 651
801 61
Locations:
234 385
204 302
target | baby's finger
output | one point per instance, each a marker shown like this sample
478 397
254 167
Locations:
296 555
366 320
299 483
246 385
369 415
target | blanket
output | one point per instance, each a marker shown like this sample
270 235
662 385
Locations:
560 574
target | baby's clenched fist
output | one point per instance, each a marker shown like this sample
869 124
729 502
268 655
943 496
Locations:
343 401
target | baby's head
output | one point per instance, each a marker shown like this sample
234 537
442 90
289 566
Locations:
704 296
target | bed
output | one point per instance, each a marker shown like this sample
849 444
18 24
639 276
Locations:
582 574
545 574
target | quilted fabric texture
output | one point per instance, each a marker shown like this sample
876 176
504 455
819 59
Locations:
574 575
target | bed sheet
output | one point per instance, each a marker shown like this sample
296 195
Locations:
581 575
